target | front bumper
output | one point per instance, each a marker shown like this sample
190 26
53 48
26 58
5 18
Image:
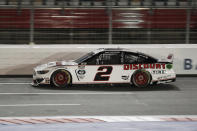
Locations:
37 82
40 79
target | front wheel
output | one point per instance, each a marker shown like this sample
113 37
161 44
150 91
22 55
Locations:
141 78
61 78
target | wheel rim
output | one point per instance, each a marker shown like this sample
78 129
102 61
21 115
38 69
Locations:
141 78
61 78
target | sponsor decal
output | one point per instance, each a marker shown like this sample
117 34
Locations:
158 72
144 66
164 77
125 77
81 72
169 66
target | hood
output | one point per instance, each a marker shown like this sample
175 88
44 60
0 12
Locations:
61 63
55 63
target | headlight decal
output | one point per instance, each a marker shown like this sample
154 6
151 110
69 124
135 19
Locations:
43 72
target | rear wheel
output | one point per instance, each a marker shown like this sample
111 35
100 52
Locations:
141 78
61 78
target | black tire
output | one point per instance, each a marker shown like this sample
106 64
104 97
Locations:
61 78
141 78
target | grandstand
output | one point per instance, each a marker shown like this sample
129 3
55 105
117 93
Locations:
98 21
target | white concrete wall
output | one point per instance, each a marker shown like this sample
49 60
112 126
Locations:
20 59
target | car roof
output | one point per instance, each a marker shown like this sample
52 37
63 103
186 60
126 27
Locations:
113 49
121 49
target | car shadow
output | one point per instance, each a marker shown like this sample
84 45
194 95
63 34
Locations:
113 87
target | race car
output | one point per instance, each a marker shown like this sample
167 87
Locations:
107 65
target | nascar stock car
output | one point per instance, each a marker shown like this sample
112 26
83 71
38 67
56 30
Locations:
107 65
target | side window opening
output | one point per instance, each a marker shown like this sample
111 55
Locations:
142 59
108 58
130 58
104 58
145 59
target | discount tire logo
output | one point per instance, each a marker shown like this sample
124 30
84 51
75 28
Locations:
144 66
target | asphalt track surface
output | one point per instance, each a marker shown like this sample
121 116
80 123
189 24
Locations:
19 98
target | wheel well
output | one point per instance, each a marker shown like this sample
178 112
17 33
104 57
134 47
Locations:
59 70
139 70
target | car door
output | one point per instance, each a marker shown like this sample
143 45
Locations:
109 67
103 67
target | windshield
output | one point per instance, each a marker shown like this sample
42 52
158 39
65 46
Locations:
86 56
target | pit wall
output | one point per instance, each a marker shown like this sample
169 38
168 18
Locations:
20 59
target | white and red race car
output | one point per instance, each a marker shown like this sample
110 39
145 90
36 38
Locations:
110 65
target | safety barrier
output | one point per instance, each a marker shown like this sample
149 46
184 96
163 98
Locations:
20 59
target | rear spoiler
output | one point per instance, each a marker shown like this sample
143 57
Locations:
170 58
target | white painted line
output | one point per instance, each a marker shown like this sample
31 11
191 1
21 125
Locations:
91 93
110 118
15 83
24 105
127 118
150 118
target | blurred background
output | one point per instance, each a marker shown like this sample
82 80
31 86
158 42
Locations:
35 32
98 21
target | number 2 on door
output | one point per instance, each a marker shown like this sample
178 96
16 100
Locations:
103 76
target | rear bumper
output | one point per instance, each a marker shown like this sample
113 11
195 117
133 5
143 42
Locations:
173 79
